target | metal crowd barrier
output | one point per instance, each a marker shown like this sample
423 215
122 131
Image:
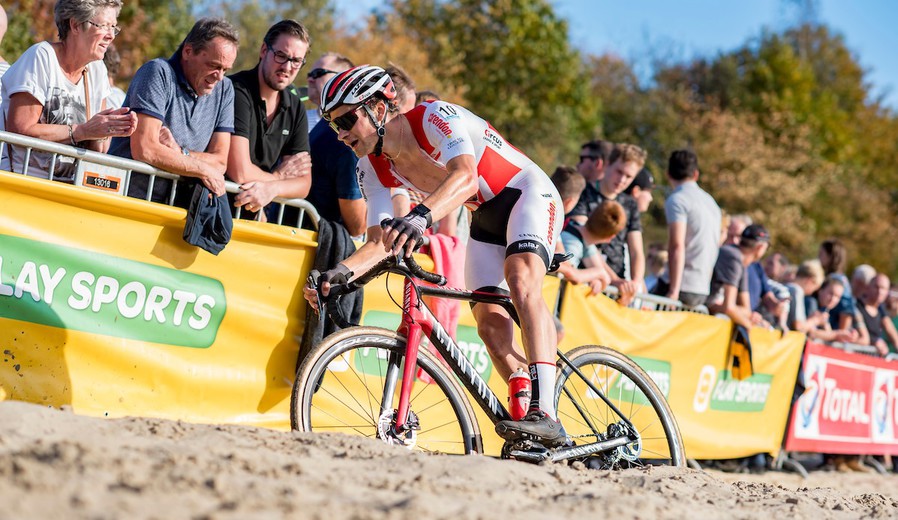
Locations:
112 174
653 302
867 350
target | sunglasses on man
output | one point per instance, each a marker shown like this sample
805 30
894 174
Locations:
346 121
319 72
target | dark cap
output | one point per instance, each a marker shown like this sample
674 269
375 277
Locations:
644 179
756 232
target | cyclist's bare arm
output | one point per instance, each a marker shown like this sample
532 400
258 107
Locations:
459 185
359 263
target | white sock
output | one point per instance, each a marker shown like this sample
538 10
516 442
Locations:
542 375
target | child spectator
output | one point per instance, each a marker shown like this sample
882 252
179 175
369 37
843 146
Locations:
606 221
808 280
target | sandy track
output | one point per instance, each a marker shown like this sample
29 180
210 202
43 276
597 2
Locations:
58 465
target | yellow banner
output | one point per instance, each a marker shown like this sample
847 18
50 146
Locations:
686 355
105 308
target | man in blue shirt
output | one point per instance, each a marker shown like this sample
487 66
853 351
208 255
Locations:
185 114
335 189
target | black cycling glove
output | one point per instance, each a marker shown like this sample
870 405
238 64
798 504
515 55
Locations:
339 275
412 225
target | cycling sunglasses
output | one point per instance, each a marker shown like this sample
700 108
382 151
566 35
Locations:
346 121
319 72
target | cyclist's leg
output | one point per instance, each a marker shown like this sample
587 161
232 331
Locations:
534 224
525 272
484 271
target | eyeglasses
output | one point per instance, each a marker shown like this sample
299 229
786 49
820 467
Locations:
319 72
280 57
114 29
345 122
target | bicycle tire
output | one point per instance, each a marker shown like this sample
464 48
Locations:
340 388
586 416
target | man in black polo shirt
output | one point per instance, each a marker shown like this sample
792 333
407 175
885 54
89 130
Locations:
269 154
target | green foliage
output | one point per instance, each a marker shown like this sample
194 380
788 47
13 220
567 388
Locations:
517 64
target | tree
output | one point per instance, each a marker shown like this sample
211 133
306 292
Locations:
517 66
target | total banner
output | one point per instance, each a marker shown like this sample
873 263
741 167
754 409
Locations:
849 404
686 354
104 308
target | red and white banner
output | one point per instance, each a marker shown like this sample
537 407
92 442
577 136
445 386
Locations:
849 405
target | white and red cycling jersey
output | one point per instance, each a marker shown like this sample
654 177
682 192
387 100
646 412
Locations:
445 131
516 207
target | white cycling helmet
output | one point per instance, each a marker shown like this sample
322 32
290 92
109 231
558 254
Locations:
355 86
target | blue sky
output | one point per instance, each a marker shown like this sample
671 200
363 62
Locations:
639 30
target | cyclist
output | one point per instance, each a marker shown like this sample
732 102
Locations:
456 158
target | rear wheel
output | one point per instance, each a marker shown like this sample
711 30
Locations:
350 383
587 418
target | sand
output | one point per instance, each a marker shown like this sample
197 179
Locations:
54 464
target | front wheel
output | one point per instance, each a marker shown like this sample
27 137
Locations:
587 418
350 383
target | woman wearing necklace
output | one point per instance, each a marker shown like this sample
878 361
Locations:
56 91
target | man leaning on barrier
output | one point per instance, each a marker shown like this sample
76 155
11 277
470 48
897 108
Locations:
185 112
269 153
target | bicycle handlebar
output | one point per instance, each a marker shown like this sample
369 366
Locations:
407 267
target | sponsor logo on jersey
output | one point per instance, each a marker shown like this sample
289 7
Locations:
492 138
455 142
552 212
441 125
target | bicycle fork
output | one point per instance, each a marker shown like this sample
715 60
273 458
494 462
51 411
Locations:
412 329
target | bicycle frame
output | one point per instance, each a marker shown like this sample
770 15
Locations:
417 320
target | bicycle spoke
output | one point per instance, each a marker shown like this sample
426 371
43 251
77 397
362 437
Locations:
345 425
348 407
351 394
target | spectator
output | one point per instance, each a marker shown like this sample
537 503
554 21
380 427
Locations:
808 280
693 231
861 277
876 318
737 224
826 299
593 159
57 91
335 189
834 258
655 266
605 222
768 298
776 266
113 62
891 307
185 109
405 88
624 163
269 151
4 23
317 77
641 189
570 185
729 282
426 95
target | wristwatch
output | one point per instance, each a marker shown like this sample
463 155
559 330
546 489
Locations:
185 151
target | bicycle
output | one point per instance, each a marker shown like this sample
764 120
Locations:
350 381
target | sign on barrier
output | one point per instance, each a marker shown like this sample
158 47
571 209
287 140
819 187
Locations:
686 354
849 404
